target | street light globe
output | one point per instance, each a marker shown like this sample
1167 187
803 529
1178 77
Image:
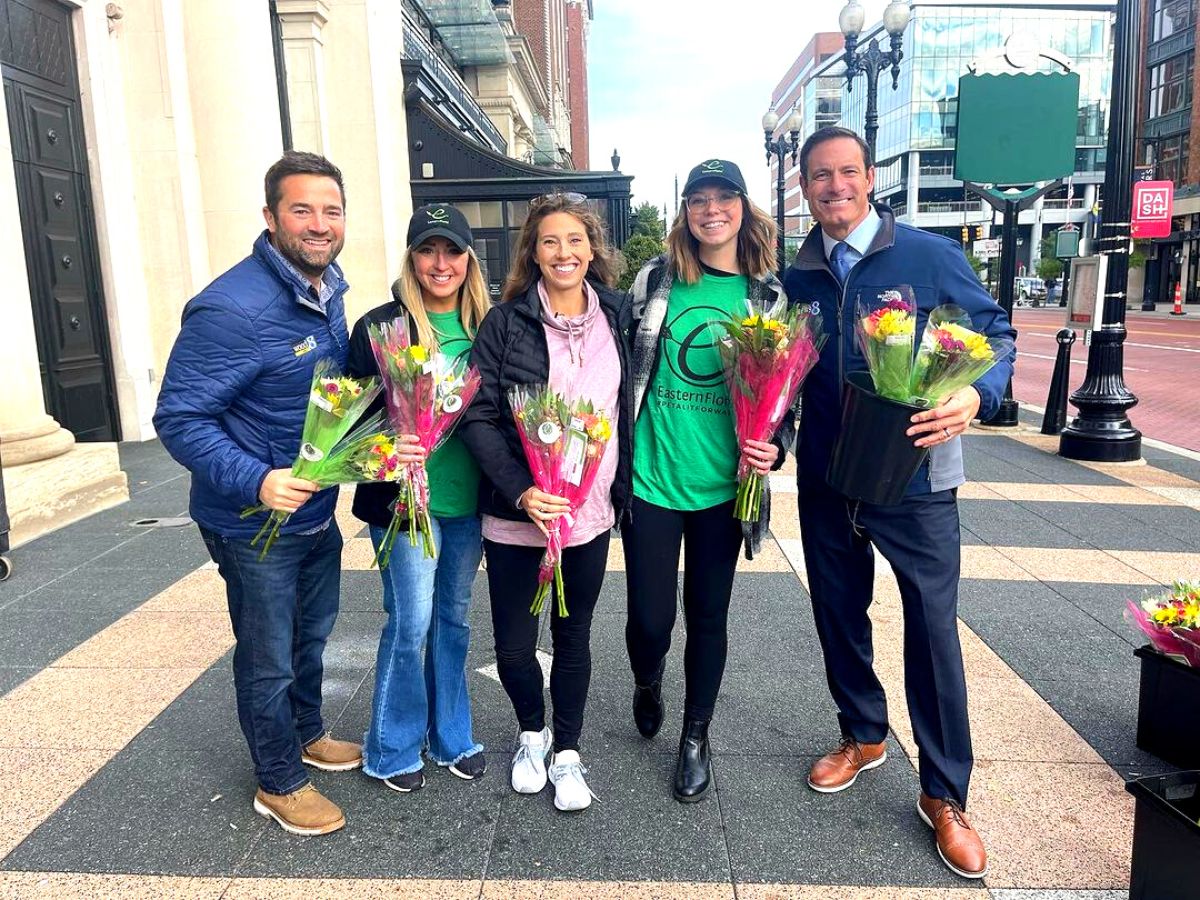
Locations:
896 16
795 122
769 121
851 18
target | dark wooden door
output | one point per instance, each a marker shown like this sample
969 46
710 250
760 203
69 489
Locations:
37 60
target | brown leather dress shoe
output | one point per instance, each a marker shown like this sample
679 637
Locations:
958 843
332 755
838 770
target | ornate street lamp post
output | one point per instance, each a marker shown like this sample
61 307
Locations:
779 149
871 60
1102 431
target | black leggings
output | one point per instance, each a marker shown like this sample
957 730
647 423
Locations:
512 580
712 538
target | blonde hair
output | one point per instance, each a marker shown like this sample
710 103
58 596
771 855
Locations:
755 245
605 266
473 303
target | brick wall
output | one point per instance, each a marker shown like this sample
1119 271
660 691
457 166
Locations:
577 93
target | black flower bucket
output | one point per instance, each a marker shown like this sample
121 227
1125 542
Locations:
873 459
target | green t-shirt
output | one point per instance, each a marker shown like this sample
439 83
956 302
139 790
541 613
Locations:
685 450
453 473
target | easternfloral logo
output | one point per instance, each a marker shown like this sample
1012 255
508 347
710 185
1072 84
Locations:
439 216
690 346
713 165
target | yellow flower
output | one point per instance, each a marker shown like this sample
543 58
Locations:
977 344
417 353
601 431
893 321
750 321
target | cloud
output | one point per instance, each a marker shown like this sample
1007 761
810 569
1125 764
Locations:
674 82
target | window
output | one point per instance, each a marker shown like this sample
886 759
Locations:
1171 85
1171 158
1170 17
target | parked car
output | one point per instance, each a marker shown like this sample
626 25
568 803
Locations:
1029 291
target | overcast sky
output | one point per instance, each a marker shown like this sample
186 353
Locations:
674 82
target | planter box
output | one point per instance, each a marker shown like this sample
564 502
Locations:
1166 837
1169 710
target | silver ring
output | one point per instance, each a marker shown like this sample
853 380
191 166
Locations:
946 432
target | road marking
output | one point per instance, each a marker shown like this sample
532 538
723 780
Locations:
1022 354
1127 343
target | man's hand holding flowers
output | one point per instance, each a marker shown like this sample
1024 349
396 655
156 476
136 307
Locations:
948 420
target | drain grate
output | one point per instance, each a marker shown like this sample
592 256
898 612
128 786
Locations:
164 522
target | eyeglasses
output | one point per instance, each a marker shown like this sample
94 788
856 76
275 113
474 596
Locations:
557 196
724 201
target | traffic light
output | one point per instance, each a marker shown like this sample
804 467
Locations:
979 232
965 234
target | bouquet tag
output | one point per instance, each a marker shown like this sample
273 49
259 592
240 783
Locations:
310 452
452 403
575 452
428 368
320 402
549 432
893 340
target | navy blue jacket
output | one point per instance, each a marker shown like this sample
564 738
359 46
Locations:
236 388
937 271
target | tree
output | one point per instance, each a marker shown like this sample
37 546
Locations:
638 250
1049 268
645 242
646 221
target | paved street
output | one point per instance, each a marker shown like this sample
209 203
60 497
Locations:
124 773
1162 362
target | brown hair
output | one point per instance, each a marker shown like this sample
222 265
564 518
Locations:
755 245
604 267
473 302
298 162
832 133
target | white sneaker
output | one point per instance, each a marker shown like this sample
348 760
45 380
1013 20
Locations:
529 762
570 790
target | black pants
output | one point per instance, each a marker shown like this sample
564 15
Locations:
711 539
920 538
512 581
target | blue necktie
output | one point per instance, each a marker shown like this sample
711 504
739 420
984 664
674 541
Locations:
839 261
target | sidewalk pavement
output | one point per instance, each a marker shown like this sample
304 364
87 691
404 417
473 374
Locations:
124 773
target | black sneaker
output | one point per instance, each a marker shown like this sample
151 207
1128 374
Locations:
470 767
407 783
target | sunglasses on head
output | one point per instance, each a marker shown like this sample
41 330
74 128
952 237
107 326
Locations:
568 196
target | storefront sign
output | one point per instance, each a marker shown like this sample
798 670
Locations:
1152 202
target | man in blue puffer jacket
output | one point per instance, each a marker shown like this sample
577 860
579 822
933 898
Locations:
231 410
859 252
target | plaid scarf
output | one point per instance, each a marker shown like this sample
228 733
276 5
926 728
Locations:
649 311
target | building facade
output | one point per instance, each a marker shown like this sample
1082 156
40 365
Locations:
918 120
133 147
1169 129
819 99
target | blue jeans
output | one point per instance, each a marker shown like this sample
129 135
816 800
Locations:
423 703
282 610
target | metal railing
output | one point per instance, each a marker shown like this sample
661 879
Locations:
1073 203
416 47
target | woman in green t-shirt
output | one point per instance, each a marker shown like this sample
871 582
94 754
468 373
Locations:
720 251
421 704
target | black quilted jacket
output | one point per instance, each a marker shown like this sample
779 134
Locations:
510 349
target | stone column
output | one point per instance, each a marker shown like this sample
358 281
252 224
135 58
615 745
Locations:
302 22
235 113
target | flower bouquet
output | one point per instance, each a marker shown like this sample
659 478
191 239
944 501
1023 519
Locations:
952 355
766 356
885 332
425 392
1171 621
564 441
330 453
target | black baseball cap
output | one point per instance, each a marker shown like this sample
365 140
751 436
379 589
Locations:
439 220
718 171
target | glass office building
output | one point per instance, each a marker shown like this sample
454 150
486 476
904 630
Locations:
918 121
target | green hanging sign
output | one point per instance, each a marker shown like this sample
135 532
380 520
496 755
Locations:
1016 128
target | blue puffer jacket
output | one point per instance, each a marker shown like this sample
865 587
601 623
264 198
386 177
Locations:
935 268
236 388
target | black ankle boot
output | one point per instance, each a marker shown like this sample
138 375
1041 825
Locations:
648 707
693 771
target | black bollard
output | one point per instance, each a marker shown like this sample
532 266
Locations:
1055 417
